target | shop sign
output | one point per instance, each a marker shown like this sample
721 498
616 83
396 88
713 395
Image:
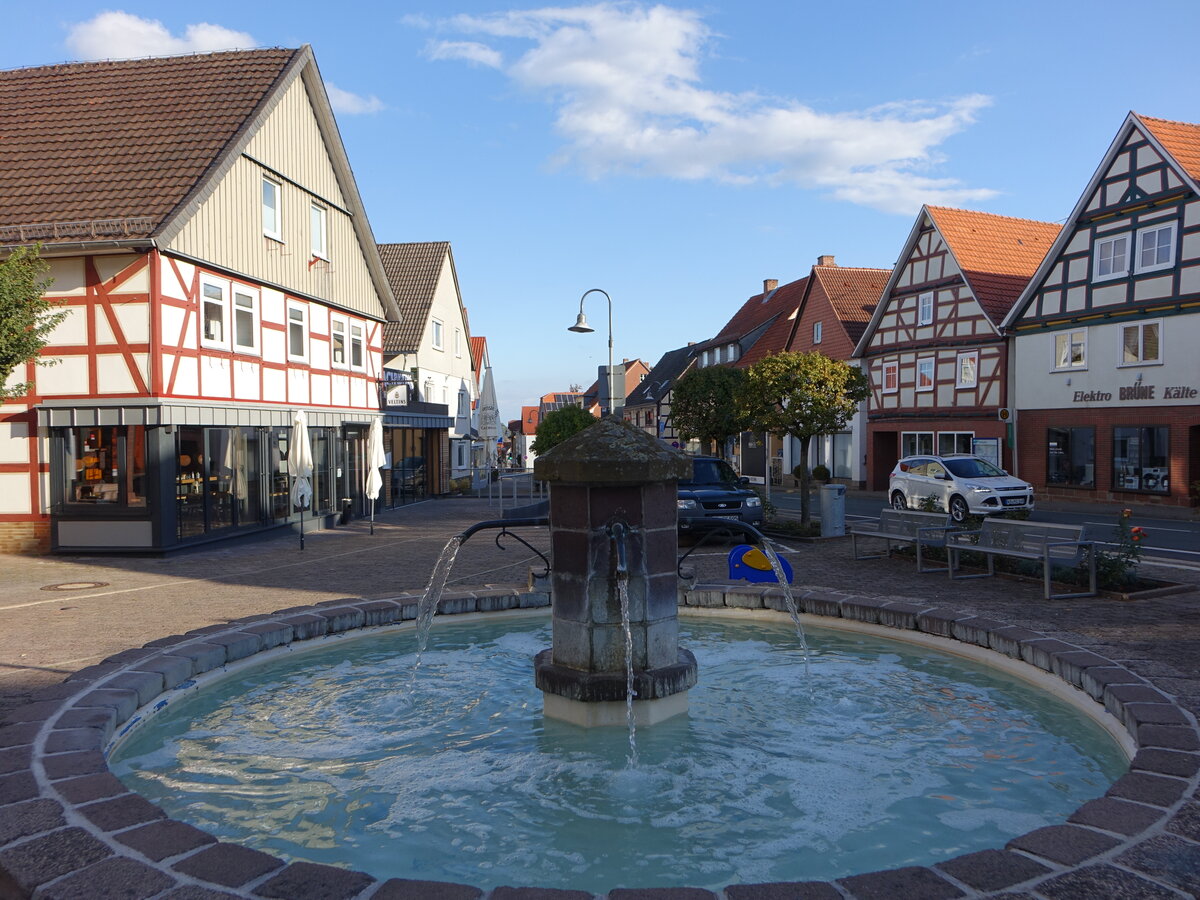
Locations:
1138 392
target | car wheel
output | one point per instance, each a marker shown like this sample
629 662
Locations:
898 501
959 510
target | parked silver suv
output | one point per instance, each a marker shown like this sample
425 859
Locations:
962 484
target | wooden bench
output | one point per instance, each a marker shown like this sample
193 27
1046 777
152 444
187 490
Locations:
1061 545
908 526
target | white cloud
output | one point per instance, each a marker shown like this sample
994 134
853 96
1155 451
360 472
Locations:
470 51
625 80
120 35
351 104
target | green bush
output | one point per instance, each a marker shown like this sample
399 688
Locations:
820 473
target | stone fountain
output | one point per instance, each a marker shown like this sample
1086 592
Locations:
613 530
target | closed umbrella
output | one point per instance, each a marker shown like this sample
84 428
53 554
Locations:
375 460
300 467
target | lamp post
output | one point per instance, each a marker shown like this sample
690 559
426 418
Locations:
582 327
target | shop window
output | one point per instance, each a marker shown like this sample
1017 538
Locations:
1140 344
843 460
1141 459
105 466
1070 350
954 442
1071 456
913 443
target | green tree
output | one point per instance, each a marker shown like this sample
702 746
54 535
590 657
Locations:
559 425
26 316
705 405
802 395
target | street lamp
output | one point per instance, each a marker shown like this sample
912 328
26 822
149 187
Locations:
582 327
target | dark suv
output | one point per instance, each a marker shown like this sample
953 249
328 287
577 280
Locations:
715 492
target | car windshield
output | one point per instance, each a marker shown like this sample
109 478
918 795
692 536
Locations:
972 467
712 471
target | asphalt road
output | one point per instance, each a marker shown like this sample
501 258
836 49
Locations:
1167 537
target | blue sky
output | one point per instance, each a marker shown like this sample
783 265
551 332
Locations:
676 155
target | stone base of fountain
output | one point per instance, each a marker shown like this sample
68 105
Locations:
594 699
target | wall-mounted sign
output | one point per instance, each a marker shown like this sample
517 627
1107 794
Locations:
1137 393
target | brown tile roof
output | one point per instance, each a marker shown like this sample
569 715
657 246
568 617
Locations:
120 140
413 271
853 293
783 305
997 254
1180 139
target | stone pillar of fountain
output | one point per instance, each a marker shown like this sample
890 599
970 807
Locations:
613 474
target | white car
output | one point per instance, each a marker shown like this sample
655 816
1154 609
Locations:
960 483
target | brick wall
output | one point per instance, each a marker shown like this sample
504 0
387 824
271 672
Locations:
29 538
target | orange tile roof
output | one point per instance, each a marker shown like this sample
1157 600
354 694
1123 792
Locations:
756 311
1180 139
997 254
95 142
853 293
478 353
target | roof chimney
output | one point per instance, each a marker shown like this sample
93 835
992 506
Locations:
826 260
769 284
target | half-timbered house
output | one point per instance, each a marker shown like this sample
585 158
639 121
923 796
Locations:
836 306
933 349
648 405
1104 337
208 242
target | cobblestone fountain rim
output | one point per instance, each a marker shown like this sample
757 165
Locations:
69 828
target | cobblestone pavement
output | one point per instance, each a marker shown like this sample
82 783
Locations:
46 634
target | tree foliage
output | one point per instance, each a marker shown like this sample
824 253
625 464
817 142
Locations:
26 316
802 395
559 425
705 405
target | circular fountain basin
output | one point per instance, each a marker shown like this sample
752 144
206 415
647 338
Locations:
886 756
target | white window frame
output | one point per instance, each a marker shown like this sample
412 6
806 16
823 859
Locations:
464 403
973 357
1070 366
339 327
221 303
1141 329
273 230
458 342
916 440
816 333
1098 252
925 306
1142 233
956 435
255 346
437 334
893 367
302 319
922 361
318 224
358 346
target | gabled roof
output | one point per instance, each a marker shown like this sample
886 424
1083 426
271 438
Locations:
997 256
1176 141
752 315
664 374
413 270
784 300
852 292
123 152
478 356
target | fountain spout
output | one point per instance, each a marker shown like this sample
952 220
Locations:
617 532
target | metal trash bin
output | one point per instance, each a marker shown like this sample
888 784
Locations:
833 510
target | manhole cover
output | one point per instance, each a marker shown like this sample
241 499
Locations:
75 586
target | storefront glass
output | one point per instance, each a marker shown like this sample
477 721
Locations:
914 443
105 466
1071 456
1140 459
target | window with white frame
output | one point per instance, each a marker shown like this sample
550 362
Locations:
437 332
358 356
1070 349
816 332
214 314
954 442
891 377
428 398
1140 344
464 404
1155 248
1110 257
297 331
925 374
458 342
925 308
272 208
337 341
916 443
245 320
967 369
318 222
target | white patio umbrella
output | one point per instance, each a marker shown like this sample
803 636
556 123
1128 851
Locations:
375 461
300 467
